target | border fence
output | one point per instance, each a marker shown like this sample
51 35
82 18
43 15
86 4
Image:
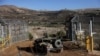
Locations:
12 30
81 25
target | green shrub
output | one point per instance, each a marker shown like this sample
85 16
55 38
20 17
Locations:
30 36
60 34
52 35
45 35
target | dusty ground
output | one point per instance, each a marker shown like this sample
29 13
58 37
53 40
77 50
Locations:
13 51
37 31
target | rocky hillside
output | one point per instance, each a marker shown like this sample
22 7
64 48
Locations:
10 9
38 17
90 11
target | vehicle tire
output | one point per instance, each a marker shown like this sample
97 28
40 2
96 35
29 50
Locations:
57 43
43 49
40 49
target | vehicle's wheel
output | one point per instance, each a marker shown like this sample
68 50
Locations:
40 49
43 49
57 43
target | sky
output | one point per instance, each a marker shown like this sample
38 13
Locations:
53 4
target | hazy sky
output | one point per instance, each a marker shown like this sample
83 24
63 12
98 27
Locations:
53 4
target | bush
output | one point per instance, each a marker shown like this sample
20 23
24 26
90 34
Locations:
61 34
45 35
30 36
52 35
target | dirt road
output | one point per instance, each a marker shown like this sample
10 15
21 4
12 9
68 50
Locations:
13 51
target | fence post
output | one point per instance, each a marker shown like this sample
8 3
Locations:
91 33
89 39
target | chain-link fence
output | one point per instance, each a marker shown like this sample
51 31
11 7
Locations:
81 25
13 29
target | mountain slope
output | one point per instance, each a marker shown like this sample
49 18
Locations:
33 16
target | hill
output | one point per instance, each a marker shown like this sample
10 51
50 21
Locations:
43 17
